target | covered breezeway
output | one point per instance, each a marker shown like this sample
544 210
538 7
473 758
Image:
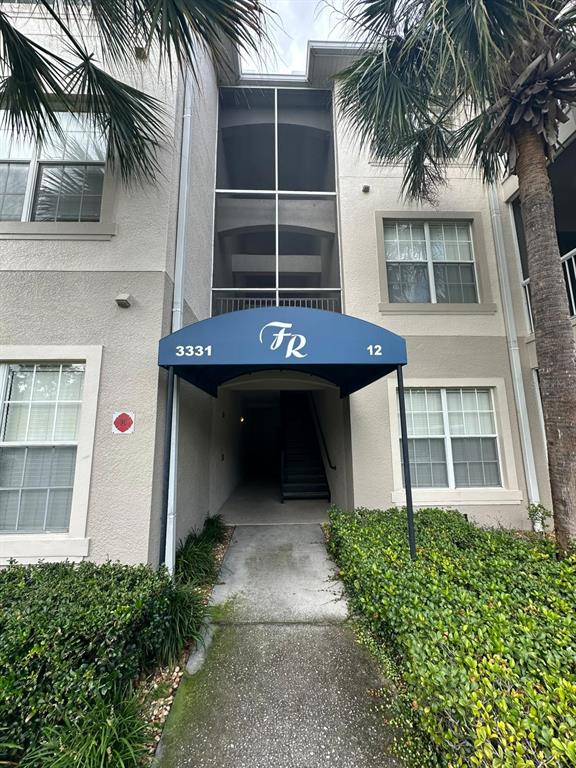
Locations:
288 439
275 364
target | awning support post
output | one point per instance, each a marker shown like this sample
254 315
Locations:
166 462
406 460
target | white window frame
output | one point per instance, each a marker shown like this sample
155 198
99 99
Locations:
26 443
507 493
25 228
430 262
73 545
34 165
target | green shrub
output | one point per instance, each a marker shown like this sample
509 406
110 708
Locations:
483 625
195 559
195 562
214 530
70 633
107 733
187 617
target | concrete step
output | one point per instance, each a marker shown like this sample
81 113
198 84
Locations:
306 495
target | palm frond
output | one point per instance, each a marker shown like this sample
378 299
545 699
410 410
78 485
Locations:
179 26
450 78
373 21
112 20
174 29
480 142
35 77
132 120
38 83
391 102
385 94
426 155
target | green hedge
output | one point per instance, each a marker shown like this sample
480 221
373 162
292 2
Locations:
70 634
484 628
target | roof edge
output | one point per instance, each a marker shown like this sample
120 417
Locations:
324 59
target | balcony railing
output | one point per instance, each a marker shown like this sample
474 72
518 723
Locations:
569 268
222 303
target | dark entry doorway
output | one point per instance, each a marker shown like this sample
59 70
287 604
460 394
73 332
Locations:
261 437
280 444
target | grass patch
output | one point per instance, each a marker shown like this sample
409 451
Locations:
482 627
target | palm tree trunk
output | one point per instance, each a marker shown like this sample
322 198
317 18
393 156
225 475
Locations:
555 345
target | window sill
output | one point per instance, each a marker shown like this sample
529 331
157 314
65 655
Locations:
57 230
459 497
31 547
437 309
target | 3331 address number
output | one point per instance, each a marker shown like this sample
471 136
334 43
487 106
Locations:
194 351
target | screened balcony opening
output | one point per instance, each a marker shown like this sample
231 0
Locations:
308 246
245 242
275 240
246 139
563 182
305 146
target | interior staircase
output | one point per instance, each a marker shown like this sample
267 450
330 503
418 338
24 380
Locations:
303 473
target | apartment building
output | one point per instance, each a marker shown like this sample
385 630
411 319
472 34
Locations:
268 229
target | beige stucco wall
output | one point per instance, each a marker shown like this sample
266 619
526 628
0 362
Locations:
445 344
78 308
59 289
225 464
334 417
202 170
193 493
526 345
196 408
437 362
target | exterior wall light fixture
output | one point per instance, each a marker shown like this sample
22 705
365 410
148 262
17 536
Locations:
124 300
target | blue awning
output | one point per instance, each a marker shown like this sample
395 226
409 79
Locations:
343 350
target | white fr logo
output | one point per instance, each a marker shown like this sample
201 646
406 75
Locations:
294 341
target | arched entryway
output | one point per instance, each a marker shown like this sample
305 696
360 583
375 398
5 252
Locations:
345 352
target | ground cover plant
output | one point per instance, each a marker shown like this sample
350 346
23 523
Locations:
196 562
483 626
74 638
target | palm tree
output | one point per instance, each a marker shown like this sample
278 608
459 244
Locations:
488 80
36 83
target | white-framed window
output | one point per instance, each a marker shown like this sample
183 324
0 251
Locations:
452 438
60 180
430 262
40 406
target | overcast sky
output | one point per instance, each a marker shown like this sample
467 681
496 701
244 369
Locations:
296 22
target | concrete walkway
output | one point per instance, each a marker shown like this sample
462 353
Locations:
257 503
284 683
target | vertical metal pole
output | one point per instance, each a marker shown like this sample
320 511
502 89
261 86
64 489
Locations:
276 198
166 463
406 460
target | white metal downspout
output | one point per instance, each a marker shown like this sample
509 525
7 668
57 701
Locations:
513 349
178 309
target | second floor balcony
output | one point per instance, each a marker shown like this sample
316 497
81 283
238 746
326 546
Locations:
233 300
